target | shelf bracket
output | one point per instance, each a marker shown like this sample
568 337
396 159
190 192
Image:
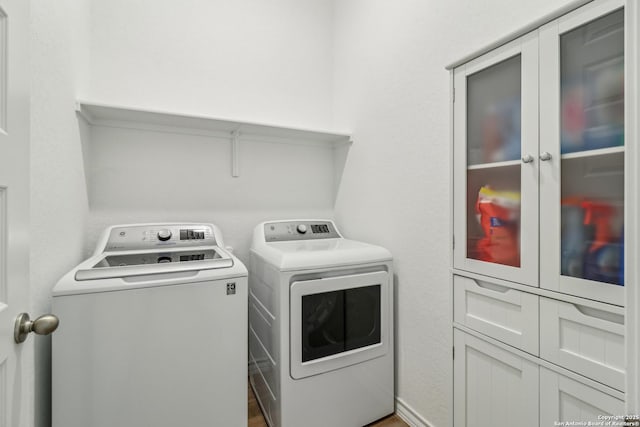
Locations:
235 164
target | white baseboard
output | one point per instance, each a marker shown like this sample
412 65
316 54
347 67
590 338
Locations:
409 415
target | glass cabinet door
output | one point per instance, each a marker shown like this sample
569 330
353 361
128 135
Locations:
495 140
582 154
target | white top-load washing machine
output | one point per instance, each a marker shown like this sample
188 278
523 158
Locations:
320 326
152 332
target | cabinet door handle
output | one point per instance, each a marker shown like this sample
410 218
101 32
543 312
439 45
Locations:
527 159
492 286
599 314
545 155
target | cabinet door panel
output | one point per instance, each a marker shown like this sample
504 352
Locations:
582 184
492 387
496 193
563 400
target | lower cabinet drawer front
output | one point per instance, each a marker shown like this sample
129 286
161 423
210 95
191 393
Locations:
503 313
492 387
563 400
584 340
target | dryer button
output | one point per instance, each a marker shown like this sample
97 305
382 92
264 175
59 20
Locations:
164 234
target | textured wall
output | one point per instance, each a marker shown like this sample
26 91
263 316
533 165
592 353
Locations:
392 90
59 60
147 176
251 59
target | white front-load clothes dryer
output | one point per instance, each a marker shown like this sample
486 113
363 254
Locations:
321 339
153 332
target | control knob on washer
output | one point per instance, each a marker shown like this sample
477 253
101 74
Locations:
301 228
164 234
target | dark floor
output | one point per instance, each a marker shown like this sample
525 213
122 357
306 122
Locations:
256 419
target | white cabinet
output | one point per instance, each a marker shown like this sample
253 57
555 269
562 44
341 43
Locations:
539 157
563 400
543 205
492 387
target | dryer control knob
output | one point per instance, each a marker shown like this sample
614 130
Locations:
301 228
164 234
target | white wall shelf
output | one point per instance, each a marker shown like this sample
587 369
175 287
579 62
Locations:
234 131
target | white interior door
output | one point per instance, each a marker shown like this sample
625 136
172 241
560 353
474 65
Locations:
16 366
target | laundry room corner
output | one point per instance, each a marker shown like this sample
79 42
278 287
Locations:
238 113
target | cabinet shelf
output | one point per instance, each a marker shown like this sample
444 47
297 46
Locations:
593 153
494 165
577 155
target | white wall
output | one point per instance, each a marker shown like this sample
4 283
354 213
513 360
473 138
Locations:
268 62
258 61
264 61
142 175
59 60
392 90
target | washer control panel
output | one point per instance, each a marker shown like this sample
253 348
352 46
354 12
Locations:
299 230
129 238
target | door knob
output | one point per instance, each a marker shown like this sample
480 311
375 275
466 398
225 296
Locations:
43 325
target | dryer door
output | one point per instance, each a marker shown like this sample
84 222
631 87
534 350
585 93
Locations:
338 321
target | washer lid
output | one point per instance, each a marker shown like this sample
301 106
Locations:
310 254
139 263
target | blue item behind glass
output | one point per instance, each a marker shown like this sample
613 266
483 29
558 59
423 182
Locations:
511 114
603 265
573 242
603 137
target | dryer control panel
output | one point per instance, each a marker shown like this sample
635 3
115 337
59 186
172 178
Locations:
299 230
140 237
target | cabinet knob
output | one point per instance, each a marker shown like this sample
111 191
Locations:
545 155
527 159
